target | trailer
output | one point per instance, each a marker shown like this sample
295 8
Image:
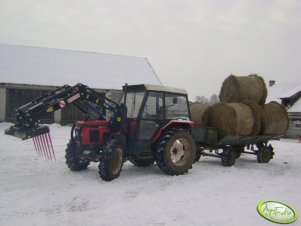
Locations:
230 147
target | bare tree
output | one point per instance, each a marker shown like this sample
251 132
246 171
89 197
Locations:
201 99
214 99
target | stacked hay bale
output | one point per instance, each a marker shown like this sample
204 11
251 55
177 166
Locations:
199 113
231 119
242 111
243 88
274 120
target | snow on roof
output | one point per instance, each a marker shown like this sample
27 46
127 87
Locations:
296 106
56 67
278 91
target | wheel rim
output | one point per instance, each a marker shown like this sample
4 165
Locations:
180 151
116 161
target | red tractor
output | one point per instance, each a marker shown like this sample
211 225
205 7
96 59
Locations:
151 123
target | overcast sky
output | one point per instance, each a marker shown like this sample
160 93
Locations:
191 44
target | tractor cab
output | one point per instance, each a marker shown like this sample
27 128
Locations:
150 110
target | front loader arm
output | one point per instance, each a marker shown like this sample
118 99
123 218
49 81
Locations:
85 99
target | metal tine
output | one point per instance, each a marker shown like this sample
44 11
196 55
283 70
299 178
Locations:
44 145
40 145
49 140
48 146
35 145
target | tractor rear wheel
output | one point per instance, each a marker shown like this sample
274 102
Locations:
175 152
198 155
111 162
73 160
143 162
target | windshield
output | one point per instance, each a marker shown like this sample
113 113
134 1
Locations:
133 103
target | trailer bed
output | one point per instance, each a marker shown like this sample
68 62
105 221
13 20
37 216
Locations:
231 147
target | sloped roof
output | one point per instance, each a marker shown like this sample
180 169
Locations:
296 106
286 91
56 67
278 91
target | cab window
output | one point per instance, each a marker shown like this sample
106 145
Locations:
153 108
133 103
175 106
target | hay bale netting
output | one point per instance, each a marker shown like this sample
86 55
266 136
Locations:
274 119
231 119
199 113
243 88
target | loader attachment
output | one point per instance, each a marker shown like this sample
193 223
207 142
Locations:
40 136
25 133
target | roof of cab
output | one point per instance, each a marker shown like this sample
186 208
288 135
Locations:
152 87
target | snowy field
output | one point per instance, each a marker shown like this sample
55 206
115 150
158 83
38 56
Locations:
37 191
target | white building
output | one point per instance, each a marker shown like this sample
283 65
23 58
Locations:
26 72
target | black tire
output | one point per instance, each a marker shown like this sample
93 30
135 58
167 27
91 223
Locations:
265 154
111 161
237 154
73 160
175 152
228 157
238 150
143 162
198 155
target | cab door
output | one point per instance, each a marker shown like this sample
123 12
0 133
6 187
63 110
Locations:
152 115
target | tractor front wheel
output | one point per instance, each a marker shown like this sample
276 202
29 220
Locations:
176 152
73 160
111 162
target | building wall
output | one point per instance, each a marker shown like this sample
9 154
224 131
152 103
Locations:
294 130
18 97
2 104
13 96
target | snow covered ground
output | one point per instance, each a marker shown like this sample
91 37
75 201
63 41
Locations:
36 191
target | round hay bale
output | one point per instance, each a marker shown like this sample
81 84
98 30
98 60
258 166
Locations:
191 103
256 111
199 114
231 119
242 88
274 120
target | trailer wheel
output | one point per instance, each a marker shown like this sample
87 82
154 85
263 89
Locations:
73 160
228 157
143 162
265 154
238 150
111 162
175 152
